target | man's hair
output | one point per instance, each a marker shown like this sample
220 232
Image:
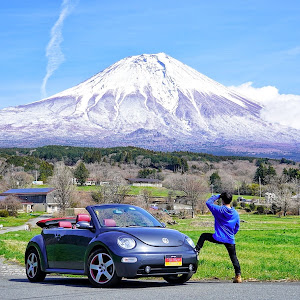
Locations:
226 197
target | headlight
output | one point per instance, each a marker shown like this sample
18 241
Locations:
126 243
190 241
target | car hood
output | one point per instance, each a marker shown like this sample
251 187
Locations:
158 237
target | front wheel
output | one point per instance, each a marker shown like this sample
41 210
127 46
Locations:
101 270
34 272
178 279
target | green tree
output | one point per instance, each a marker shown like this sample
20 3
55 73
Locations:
46 170
81 173
215 180
264 174
255 189
147 173
245 189
260 174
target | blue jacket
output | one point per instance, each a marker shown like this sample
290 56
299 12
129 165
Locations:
227 221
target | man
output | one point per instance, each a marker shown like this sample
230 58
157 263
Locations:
227 223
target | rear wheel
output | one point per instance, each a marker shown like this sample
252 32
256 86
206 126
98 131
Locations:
101 270
34 272
178 279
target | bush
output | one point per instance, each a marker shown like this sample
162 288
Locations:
234 203
252 206
4 213
260 210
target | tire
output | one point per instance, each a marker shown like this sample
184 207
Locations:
178 279
34 272
101 270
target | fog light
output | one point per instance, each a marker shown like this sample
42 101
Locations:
147 269
129 260
191 267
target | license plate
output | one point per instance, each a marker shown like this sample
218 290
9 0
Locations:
173 260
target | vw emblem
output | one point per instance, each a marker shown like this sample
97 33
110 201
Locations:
165 240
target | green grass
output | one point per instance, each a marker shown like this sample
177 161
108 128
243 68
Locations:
268 247
155 191
234 197
135 190
21 219
13 244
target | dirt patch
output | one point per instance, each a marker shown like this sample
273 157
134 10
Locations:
202 223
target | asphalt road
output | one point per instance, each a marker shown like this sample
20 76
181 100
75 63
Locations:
17 287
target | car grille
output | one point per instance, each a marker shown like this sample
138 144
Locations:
163 270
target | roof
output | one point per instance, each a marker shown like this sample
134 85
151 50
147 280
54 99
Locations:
145 180
35 191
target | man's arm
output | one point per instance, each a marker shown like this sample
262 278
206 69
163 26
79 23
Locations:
237 226
210 203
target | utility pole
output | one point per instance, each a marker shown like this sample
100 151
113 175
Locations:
259 180
212 189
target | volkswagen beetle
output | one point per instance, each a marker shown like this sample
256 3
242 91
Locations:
111 242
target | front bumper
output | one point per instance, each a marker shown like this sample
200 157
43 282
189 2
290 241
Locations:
156 262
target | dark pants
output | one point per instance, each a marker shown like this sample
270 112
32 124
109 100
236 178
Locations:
230 248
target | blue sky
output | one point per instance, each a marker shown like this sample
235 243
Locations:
232 42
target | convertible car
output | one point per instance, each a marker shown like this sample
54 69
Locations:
111 242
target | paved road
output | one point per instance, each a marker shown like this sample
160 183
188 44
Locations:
15 286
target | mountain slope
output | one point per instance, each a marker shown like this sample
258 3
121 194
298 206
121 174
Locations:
152 101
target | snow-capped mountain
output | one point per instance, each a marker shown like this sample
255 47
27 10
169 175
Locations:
152 101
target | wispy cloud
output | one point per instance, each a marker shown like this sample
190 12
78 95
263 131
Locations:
293 51
280 108
53 51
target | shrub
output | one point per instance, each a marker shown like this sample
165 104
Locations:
252 206
234 203
4 213
260 210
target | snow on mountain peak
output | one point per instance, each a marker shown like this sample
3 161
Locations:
161 75
148 100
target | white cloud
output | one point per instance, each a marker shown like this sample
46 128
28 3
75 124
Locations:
53 50
280 108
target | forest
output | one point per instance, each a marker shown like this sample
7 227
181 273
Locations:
194 174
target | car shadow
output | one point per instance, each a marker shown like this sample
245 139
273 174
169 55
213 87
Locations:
84 282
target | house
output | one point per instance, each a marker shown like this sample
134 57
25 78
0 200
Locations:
88 182
144 182
35 199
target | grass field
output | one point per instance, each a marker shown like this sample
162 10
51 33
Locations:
19 220
268 247
135 190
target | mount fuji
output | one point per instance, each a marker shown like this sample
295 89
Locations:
152 101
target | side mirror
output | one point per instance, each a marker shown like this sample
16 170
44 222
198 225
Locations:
84 225
163 224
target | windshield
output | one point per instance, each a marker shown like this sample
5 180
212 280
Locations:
124 216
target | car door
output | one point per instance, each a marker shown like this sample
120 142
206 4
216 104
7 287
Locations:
50 239
70 248
66 247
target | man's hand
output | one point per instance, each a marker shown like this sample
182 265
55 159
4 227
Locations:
215 197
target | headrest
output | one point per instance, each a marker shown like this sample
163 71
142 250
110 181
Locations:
109 222
83 217
64 224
